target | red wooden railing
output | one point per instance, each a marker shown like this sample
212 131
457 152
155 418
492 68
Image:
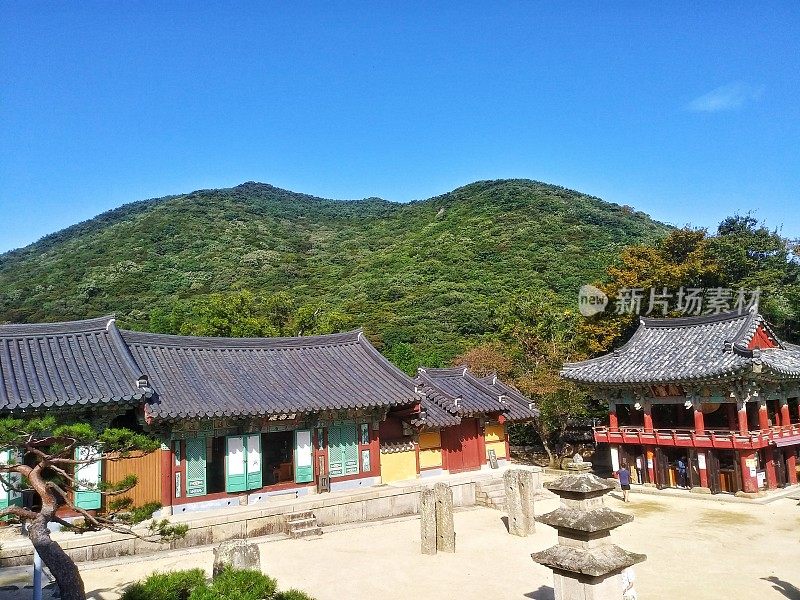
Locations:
708 438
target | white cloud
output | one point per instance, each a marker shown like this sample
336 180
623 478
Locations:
726 97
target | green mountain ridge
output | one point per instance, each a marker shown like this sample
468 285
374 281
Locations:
426 272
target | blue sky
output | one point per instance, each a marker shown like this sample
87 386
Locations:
687 112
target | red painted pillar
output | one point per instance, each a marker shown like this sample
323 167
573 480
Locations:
784 412
791 466
648 417
482 441
701 460
733 423
699 424
166 477
613 422
772 478
763 417
749 480
742 412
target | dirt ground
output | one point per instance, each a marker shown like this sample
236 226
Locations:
696 548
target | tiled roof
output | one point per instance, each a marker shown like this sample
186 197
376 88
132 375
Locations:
687 350
518 406
66 364
213 377
455 392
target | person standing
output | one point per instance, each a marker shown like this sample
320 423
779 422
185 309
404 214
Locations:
682 479
624 476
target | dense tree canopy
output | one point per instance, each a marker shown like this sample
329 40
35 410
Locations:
425 279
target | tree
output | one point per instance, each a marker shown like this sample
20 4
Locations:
742 255
49 464
547 335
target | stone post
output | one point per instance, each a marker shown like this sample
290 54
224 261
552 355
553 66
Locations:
427 514
445 528
586 565
520 487
436 519
238 554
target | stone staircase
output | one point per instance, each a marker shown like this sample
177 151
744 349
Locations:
302 524
490 493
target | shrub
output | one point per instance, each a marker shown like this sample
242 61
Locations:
242 584
177 585
292 595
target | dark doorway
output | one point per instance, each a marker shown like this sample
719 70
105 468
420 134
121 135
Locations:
277 448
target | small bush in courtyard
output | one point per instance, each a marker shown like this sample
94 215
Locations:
242 584
177 585
231 584
292 595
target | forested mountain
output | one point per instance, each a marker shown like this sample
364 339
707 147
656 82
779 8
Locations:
429 274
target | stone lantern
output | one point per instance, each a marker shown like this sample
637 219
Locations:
586 565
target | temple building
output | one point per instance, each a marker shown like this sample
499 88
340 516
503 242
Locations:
718 392
252 417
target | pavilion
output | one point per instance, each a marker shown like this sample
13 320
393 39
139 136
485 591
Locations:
719 390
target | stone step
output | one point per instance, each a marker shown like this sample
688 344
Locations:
302 514
495 494
305 522
302 532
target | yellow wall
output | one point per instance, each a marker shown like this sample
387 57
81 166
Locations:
498 447
398 465
495 432
429 439
430 458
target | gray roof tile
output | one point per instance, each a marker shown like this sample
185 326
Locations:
686 350
207 377
455 392
77 363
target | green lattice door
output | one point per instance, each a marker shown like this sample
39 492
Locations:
342 450
88 476
196 467
243 462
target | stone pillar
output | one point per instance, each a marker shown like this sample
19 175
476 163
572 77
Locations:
786 418
585 564
741 406
238 554
613 423
427 516
749 478
445 528
520 487
763 417
648 416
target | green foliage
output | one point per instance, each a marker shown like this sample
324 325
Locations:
425 279
292 595
167 531
133 515
230 584
742 255
242 584
177 585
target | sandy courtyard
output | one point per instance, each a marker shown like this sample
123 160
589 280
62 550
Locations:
735 550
